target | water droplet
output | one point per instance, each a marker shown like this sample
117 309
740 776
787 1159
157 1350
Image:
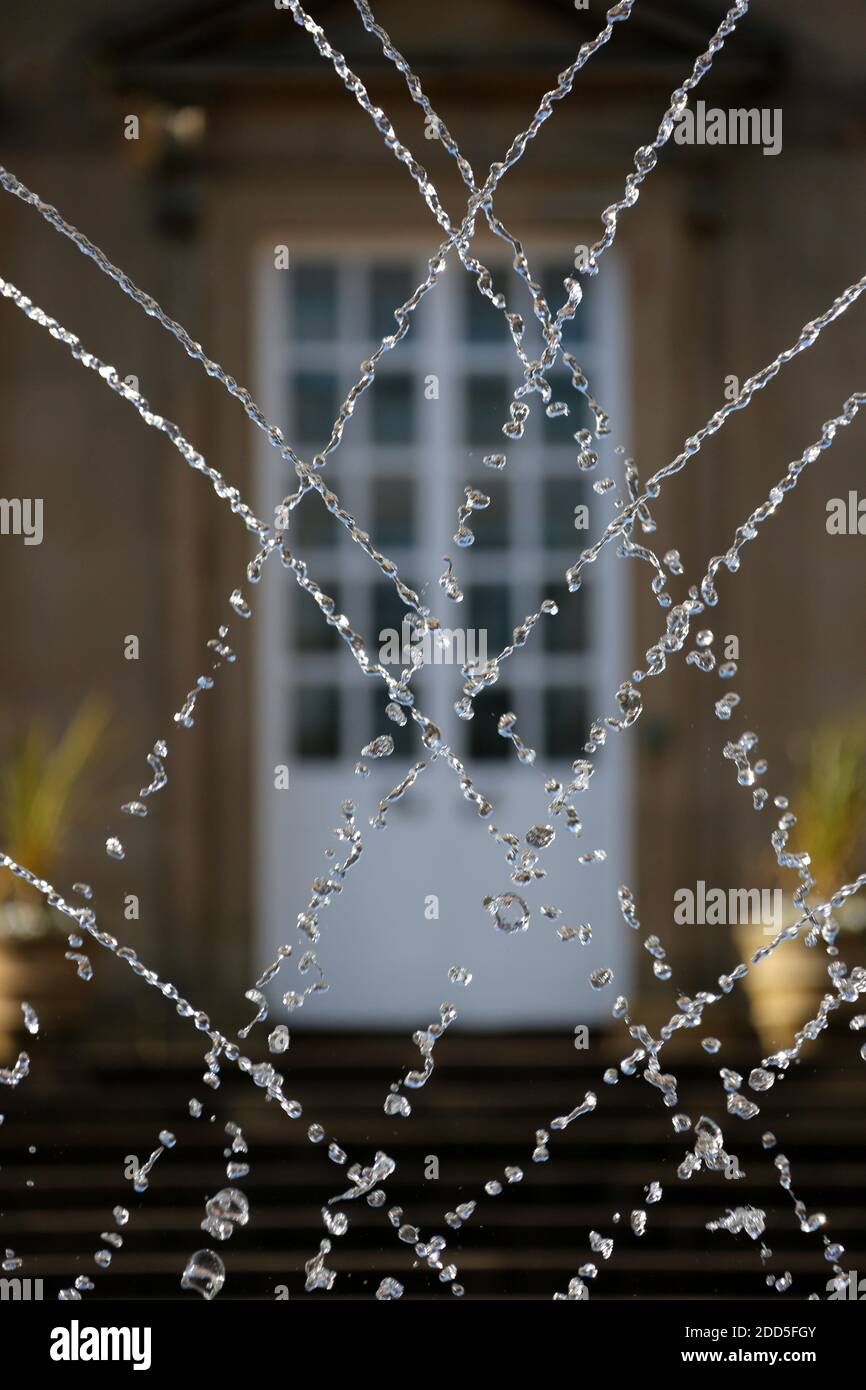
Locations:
205 1273
388 1289
540 836
509 912
278 1040
381 747
228 1209
31 1021
459 975
600 978
761 1080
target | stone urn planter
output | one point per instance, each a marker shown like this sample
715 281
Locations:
33 970
784 989
43 797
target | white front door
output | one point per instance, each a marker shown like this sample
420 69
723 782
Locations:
412 906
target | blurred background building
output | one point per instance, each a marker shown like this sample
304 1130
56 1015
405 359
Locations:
259 206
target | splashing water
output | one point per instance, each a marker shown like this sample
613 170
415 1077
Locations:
229 1209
